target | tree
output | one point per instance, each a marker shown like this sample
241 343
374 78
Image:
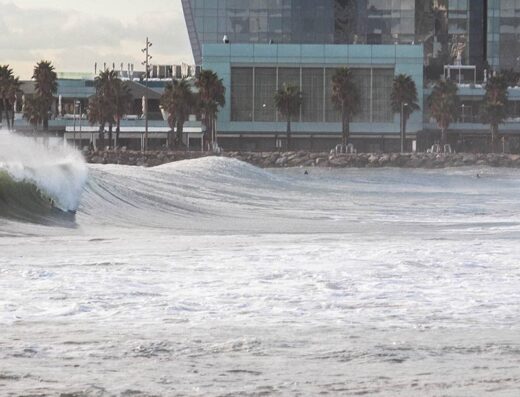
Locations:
444 106
346 99
12 95
34 111
9 88
122 98
511 76
179 101
46 86
110 103
211 97
494 108
288 100
404 101
98 114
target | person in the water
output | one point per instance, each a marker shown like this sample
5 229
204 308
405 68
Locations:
306 172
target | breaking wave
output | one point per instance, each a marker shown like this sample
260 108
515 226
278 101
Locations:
39 183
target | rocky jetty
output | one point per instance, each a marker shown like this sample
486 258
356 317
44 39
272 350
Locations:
311 159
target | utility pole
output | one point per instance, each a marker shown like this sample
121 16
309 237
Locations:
147 68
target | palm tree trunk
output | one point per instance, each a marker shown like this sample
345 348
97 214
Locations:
110 126
169 135
288 133
118 130
405 120
45 120
343 131
102 135
212 136
344 127
178 137
444 137
494 137
6 111
209 131
12 116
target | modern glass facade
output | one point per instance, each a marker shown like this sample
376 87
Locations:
299 21
253 89
477 30
504 34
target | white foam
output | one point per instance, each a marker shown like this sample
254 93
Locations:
59 171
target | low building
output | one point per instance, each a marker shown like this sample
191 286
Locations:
68 116
252 73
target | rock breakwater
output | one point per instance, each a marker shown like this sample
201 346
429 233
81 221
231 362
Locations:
311 159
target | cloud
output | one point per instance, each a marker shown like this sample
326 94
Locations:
74 40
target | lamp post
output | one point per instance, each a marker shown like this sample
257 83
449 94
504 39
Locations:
403 105
146 62
463 119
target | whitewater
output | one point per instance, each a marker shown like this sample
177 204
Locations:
211 277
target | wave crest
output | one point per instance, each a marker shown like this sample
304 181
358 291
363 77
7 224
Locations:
37 179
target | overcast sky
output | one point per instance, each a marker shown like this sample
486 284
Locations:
75 34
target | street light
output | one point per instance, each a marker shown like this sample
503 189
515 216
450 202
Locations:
403 137
463 106
148 57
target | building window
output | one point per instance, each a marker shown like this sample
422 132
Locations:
242 94
381 91
265 89
363 79
312 90
253 91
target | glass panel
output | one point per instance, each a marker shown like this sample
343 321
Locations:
265 89
331 114
362 78
241 94
382 89
312 82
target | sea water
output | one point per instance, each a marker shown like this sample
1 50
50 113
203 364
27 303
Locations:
214 278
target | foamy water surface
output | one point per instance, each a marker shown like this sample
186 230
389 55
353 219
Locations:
214 278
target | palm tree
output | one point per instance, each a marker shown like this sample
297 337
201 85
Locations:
110 103
494 109
98 113
346 99
122 100
404 101
34 111
104 90
444 106
9 88
12 95
288 100
46 85
211 97
5 77
178 100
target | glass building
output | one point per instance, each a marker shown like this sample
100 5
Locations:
302 42
299 22
474 30
503 34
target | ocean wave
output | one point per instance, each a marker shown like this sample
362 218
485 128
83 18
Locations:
38 182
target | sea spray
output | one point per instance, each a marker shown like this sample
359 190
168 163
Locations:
59 172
